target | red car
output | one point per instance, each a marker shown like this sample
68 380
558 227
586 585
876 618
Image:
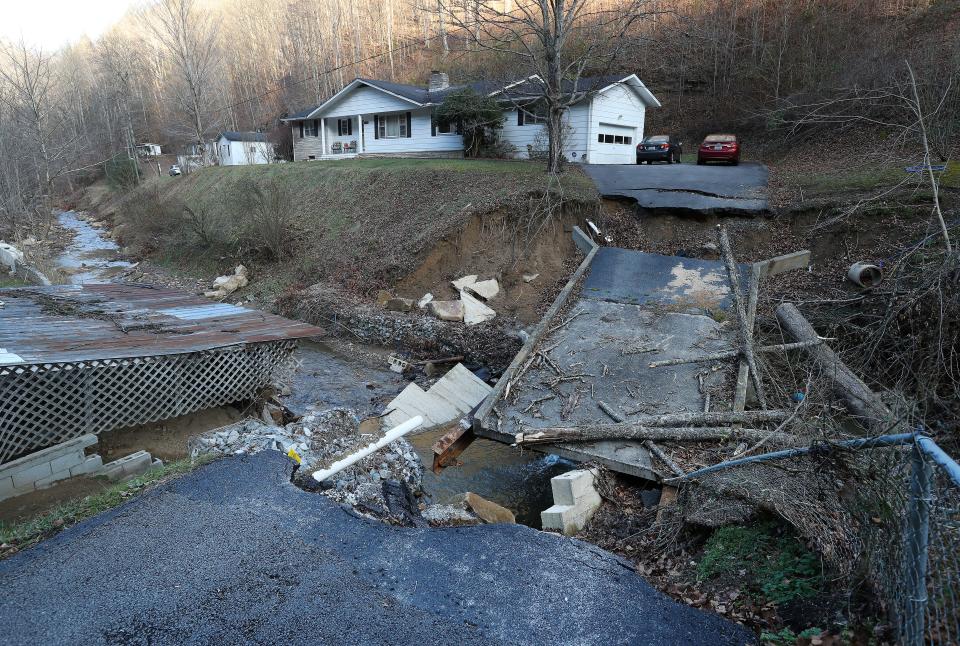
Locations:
724 148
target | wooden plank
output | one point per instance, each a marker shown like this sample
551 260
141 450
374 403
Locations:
787 262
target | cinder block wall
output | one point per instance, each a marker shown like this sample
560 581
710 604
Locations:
43 468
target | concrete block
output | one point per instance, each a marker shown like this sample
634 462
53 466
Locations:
6 488
91 464
27 462
57 475
67 462
26 477
575 501
572 486
130 465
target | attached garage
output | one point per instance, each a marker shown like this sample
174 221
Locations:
615 144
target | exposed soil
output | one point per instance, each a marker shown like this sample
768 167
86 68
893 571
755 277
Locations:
487 247
35 503
165 440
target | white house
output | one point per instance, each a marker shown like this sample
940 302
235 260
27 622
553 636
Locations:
242 148
379 118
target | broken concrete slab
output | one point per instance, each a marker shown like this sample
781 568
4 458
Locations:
474 310
447 310
529 278
423 302
454 394
485 289
460 283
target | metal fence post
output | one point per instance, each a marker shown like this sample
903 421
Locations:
915 552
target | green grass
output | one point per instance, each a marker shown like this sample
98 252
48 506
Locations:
361 220
25 533
7 280
778 565
874 177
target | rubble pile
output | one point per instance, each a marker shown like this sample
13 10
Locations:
318 439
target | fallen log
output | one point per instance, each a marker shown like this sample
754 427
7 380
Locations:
650 445
862 402
746 325
733 354
631 431
711 418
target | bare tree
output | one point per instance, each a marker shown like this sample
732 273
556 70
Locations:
189 36
555 41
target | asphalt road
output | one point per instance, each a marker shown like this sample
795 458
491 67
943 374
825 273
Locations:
233 553
740 189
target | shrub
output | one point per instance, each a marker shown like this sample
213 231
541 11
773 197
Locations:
268 217
121 172
479 119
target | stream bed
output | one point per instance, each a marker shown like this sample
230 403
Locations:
328 375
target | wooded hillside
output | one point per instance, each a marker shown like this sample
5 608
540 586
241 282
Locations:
177 71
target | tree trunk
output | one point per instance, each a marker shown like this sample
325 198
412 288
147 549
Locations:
633 431
859 399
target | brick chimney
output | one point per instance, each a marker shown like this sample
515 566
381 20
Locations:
438 81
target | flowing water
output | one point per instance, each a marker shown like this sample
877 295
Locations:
91 257
325 377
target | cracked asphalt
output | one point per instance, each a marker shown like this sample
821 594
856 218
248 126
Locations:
234 553
710 189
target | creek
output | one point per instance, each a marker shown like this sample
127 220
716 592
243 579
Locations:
326 376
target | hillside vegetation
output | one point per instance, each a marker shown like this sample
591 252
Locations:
363 224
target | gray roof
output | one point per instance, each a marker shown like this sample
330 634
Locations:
515 90
231 135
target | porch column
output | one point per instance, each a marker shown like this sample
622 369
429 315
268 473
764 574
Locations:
360 137
323 136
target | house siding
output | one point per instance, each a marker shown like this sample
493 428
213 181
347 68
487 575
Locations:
536 135
364 100
236 153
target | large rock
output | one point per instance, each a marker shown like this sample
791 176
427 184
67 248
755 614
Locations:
474 310
224 285
447 310
488 512
399 305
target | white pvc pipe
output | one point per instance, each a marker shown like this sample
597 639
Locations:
392 435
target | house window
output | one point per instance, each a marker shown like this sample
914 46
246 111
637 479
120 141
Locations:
311 128
444 128
392 126
532 114
344 127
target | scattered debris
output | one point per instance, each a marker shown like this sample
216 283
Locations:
224 285
865 274
10 256
397 364
529 278
467 509
320 439
487 511
423 302
389 437
383 296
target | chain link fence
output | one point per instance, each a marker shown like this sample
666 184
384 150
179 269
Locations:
885 508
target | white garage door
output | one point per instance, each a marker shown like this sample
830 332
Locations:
615 144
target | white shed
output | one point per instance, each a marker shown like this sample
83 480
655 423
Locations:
243 148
